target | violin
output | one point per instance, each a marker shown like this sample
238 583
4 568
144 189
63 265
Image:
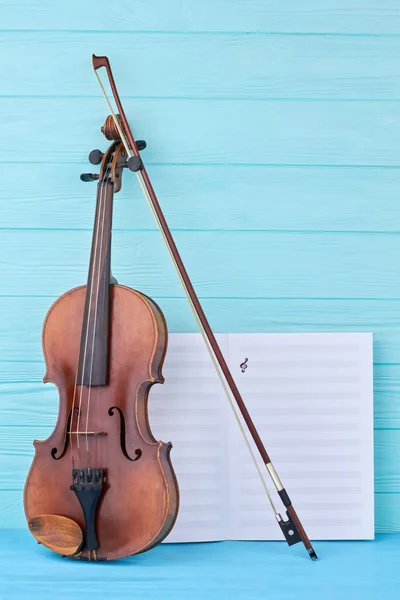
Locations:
101 471
101 487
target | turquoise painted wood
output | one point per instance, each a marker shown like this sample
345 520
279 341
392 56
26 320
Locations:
207 66
273 135
257 16
265 264
40 402
20 338
208 131
211 197
223 571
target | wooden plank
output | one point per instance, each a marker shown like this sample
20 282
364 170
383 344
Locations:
21 371
33 404
20 332
333 16
387 460
21 387
217 66
221 264
387 513
207 131
196 571
210 197
36 404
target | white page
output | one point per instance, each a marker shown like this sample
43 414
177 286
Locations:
189 411
310 396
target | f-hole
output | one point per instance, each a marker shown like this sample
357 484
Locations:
66 442
138 452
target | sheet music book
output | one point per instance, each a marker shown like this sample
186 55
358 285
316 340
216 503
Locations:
310 397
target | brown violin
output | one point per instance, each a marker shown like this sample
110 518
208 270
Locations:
101 487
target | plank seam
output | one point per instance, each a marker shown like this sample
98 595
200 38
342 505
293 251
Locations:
188 32
391 232
303 99
226 164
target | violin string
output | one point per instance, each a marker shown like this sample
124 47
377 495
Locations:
95 320
192 307
101 188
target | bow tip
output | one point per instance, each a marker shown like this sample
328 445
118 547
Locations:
312 554
100 61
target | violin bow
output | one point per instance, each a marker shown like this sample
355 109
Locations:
292 528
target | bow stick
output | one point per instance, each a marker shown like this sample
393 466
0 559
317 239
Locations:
292 528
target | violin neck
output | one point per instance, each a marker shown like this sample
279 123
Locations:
94 347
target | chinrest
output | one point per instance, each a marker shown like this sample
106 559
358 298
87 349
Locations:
60 534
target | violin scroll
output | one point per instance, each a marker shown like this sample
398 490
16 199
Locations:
115 158
110 131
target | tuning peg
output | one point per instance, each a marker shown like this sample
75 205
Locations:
134 163
95 157
141 144
89 177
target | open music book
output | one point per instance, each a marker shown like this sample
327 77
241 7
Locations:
310 396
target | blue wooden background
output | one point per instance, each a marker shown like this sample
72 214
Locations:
273 132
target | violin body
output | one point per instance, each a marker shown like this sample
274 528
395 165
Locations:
139 498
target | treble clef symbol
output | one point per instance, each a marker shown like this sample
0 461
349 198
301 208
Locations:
243 365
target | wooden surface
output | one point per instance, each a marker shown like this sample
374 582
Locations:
273 144
253 16
221 570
